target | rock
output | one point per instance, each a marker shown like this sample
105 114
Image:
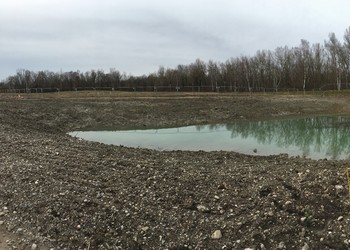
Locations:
34 246
223 186
203 209
270 213
288 203
216 235
305 247
144 228
1 222
339 188
281 245
340 218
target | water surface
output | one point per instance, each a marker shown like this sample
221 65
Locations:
313 137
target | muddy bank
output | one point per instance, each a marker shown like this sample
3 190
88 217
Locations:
62 193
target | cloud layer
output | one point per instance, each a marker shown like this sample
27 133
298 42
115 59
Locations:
138 36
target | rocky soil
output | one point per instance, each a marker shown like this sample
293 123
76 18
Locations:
59 192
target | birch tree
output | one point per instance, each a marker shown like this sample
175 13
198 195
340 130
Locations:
334 48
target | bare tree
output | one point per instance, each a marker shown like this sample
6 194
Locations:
198 73
115 77
306 62
346 54
318 69
334 48
213 74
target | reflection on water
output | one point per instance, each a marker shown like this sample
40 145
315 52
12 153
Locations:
312 137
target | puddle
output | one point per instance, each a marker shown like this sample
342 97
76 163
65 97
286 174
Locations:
312 137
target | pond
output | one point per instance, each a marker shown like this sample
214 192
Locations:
312 137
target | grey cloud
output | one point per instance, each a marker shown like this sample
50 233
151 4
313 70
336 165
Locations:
138 36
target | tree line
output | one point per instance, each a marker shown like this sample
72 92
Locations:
304 67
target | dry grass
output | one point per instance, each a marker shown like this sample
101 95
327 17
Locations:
111 94
89 94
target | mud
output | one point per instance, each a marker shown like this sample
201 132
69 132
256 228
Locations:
58 192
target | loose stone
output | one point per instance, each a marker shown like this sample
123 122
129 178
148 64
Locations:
305 247
281 245
203 209
339 188
216 235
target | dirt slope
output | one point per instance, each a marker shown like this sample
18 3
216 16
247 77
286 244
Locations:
63 193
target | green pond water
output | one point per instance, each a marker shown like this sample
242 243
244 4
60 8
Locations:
312 137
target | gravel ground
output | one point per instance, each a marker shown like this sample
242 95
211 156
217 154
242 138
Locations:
59 192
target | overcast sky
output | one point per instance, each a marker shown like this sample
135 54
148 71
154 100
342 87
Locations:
137 36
